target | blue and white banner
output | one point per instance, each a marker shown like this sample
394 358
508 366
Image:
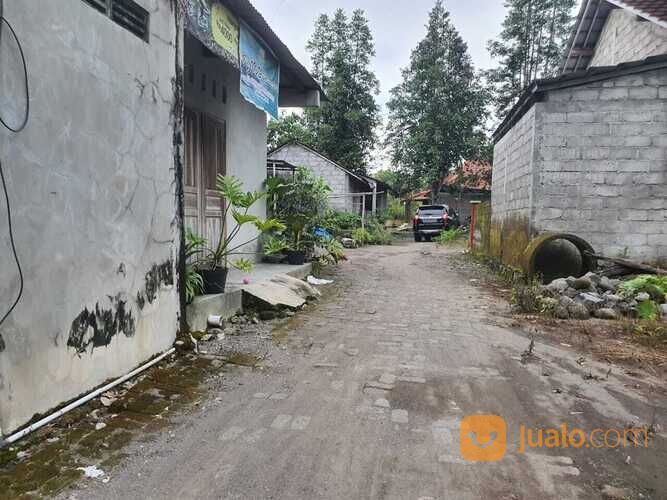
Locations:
260 72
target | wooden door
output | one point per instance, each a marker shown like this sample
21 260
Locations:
213 164
192 171
204 160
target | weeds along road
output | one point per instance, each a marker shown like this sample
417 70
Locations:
381 375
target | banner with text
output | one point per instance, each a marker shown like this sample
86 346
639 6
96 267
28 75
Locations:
215 26
260 72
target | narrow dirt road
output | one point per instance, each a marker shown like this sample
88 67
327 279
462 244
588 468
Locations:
381 375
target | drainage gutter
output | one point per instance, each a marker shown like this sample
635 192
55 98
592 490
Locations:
47 420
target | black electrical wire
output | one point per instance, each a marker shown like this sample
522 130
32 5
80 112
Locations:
11 241
25 76
2 175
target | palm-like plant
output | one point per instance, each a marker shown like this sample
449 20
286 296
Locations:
238 203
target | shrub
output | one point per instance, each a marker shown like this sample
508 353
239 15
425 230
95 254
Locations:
338 222
450 236
378 234
395 209
361 236
655 286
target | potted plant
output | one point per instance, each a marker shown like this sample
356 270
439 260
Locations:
298 201
296 251
274 249
214 261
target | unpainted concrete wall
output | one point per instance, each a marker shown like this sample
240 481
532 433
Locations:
92 186
599 170
339 181
626 38
512 192
245 127
601 160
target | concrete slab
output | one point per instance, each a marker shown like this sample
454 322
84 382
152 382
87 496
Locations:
226 304
287 289
280 290
263 271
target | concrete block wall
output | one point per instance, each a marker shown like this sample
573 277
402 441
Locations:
92 187
338 180
512 170
601 165
626 38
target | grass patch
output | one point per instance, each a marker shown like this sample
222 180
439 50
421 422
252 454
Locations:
451 236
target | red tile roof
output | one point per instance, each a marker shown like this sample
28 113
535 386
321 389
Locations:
474 174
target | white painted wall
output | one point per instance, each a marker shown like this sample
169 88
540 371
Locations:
246 127
91 182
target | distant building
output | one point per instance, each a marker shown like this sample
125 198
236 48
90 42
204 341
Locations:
347 188
471 181
585 153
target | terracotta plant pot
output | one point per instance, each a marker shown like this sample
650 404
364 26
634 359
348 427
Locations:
214 280
296 257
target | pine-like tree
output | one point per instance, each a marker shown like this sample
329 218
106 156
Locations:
341 50
436 112
530 46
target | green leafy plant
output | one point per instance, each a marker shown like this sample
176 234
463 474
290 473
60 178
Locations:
647 310
396 210
238 203
361 236
194 284
450 236
336 250
275 245
305 195
655 286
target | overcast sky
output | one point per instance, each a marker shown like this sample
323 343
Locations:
397 27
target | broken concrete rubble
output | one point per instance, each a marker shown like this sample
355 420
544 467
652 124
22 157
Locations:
282 290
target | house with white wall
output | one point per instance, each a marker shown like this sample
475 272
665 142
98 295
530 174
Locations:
135 107
585 153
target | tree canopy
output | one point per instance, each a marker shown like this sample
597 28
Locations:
530 46
344 127
436 113
289 128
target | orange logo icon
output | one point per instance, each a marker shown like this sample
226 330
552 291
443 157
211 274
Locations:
483 438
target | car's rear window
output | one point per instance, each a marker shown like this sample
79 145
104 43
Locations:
431 209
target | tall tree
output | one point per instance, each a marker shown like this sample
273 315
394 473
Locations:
341 50
530 46
436 112
288 128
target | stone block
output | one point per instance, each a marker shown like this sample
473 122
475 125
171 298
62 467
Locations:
222 304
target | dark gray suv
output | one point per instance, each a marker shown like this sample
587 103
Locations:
431 220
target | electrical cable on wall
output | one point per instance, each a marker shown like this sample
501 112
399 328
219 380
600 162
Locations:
23 124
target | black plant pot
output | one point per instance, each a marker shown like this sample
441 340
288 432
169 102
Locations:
214 280
274 258
296 257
